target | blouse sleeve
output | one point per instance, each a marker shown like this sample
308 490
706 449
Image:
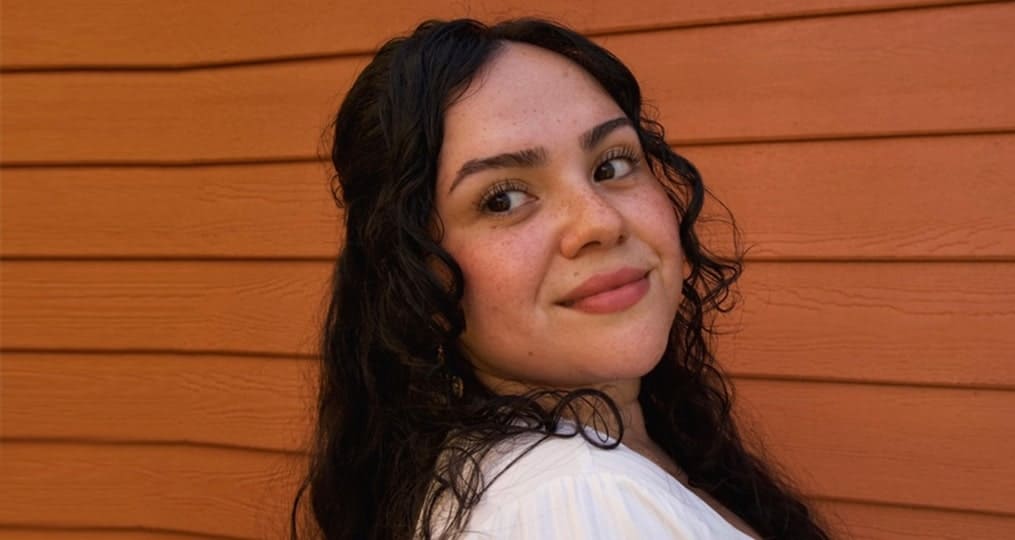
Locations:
594 507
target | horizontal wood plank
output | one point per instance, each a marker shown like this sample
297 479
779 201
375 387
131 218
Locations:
858 521
830 199
30 532
276 210
260 307
900 323
943 323
853 442
261 403
926 447
887 73
920 197
54 33
236 113
180 489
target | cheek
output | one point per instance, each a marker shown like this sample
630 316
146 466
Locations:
658 225
655 214
502 275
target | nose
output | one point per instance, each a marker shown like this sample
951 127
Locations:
590 220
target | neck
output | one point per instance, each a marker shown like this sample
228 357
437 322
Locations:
624 395
631 415
636 435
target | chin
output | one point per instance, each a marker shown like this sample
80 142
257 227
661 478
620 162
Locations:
630 364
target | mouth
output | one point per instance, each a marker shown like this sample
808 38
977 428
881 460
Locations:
609 292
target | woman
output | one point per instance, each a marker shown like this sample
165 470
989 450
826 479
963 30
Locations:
516 343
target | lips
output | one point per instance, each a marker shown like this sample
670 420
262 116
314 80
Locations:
607 292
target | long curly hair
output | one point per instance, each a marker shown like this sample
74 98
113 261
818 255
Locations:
401 420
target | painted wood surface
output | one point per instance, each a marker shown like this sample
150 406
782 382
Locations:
845 442
45 33
741 82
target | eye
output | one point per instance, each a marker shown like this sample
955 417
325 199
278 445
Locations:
503 198
616 164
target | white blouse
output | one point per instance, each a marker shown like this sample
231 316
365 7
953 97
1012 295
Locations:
567 488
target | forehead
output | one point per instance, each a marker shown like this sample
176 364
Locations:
525 96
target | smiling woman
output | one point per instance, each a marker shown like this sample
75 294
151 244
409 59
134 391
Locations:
516 341
571 258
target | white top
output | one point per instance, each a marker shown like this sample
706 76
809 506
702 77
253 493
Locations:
566 488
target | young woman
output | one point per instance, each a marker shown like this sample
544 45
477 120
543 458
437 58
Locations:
516 345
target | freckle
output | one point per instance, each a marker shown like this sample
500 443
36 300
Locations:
530 353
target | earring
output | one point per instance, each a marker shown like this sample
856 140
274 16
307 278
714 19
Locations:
457 386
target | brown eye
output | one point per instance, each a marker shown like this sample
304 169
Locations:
500 202
613 168
504 198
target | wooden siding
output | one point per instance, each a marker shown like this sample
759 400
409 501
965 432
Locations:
45 33
167 230
743 82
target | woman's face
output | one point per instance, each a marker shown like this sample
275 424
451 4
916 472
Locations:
567 241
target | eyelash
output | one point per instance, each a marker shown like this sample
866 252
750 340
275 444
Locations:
621 152
507 186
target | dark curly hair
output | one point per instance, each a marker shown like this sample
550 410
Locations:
393 434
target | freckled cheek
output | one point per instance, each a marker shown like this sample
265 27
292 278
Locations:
654 216
499 280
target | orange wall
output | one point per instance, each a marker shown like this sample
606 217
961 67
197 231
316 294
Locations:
167 233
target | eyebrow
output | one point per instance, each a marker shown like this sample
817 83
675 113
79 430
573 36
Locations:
534 157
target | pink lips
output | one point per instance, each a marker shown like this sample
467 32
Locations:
610 292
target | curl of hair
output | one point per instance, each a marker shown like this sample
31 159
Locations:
392 437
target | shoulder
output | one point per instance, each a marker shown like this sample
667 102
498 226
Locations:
569 488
